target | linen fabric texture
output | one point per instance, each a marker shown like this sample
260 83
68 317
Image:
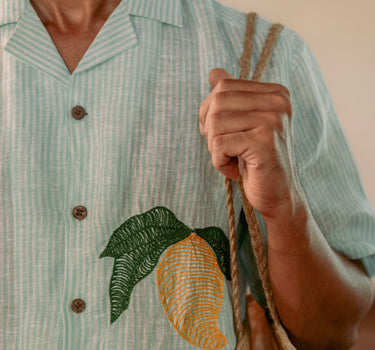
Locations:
141 83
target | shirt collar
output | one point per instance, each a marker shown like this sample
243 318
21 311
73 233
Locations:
166 11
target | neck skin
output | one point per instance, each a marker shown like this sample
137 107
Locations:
71 15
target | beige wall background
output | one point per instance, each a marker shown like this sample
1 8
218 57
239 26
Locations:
341 34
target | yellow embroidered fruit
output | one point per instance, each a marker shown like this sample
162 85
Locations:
190 276
191 291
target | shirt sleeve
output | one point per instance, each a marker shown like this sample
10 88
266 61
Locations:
325 165
326 172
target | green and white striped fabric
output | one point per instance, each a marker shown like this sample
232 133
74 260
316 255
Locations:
141 83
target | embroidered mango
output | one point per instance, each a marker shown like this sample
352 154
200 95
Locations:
191 291
190 275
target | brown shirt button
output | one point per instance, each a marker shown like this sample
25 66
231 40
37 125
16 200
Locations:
78 112
78 305
79 212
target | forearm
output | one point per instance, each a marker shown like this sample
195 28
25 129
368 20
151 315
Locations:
248 127
320 295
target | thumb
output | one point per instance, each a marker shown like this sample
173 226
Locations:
218 74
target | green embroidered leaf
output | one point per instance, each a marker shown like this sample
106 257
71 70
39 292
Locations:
128 270
137 231
219 243
131 268
136 246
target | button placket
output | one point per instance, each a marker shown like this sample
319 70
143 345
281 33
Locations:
79 212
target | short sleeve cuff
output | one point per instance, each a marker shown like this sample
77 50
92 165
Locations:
358 250
369 264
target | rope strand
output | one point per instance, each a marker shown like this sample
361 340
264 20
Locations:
254 230
233 262
267 51
248 46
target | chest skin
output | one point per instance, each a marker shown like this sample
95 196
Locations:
71 39
72 47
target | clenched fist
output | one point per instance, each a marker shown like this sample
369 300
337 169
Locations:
248 129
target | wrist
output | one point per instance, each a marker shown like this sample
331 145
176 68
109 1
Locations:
288 228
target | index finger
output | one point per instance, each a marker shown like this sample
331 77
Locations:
236 84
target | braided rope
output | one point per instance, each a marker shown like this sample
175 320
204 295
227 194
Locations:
243 341
248 46
266 53
254 230
244 73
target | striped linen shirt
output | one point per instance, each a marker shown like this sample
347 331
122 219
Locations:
101 208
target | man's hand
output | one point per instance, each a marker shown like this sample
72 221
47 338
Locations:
247 128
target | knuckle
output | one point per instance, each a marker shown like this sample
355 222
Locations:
218 117
217 143
218 121
215 122
217 100
223 94
224 84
